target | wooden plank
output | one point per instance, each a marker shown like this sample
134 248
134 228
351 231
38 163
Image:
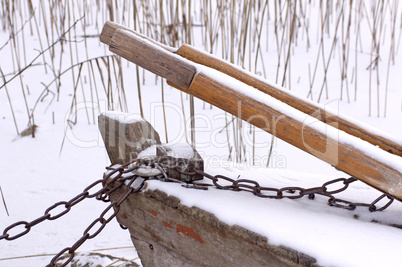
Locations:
167 233
201 57
110 28
151 57
124 140
336 152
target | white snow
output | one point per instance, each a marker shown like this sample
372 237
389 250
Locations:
150 151
180 150
68 153
333 236
333 133
123 117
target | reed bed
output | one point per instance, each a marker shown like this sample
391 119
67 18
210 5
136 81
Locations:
318 48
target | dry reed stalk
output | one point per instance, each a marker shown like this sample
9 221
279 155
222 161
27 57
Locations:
305 24
17 60
95 84
356 42
101 75
73 66
326 65
109 84
88 67
52 52
233 29
163 40
320 49
121 81
137 71
258 49
116 78
391 57
345 54
373 62
11 104
291 35
23 38
4 201
399 38
73 105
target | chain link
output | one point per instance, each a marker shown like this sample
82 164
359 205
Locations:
99 223
298 192
67 207
113 180
127 174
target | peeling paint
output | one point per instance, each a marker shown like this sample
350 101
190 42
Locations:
168 224
188 232
153 212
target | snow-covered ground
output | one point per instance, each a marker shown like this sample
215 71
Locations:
61 160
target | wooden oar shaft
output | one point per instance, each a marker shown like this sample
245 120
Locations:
337 152
151 57
110 27
309 108
353 158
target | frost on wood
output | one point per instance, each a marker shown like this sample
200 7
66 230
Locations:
126 135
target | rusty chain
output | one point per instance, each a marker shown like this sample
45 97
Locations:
110 183
67 207
101 220
292 192
298 192
128 174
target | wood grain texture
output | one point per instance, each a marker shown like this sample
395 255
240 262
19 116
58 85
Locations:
196 56
338 154
167 233
151 57
110 27
124 141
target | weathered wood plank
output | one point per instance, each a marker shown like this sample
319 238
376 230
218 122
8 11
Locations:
336 152
202 58
151 57
110 27
125 136
167 233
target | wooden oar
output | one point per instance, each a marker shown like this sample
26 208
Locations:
310 108
348 153
307 107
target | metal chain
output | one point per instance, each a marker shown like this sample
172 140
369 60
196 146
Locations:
27 226
130 173
297 192
98 224
292 192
